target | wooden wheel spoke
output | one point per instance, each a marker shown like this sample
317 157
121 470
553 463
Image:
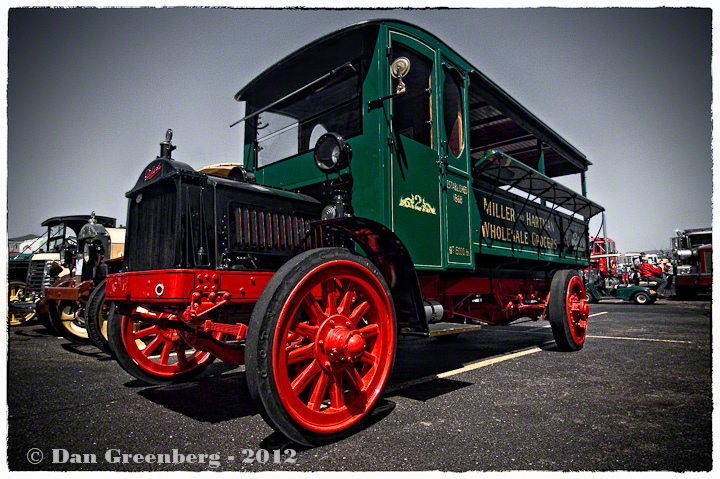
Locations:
358 312
318 392
147 351
336 394
369 330
145 332
165 355
346 297
368 358
329 299
353 378
300 354
306 330
312 309
303 379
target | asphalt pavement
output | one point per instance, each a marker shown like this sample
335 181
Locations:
637 397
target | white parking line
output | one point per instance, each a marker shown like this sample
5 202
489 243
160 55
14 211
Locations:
641 339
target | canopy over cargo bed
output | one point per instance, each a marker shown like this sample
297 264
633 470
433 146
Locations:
497 120
501 169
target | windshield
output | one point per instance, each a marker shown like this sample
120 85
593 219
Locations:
700 239
294 125
56 236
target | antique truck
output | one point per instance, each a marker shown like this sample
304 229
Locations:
18 265
389 188
30 274
74 302
692 252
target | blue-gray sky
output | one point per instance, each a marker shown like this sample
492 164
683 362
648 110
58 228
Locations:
92 91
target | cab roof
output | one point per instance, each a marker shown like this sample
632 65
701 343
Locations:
497 121
75 222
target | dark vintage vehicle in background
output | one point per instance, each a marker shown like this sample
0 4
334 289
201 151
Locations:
18 265
389 189
75 302
692 252
28 275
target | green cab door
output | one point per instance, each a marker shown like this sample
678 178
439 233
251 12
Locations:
454 158
415 181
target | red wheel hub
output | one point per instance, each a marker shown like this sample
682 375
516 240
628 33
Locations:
338 348
578 309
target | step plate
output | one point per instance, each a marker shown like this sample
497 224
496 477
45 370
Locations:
439 329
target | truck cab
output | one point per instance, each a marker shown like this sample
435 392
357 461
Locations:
692 252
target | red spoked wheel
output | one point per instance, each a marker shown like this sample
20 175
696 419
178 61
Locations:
568 310
321 345
153 354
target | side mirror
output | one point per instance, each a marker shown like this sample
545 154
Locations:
398 69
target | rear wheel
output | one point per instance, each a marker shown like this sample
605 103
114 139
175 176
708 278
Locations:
14 290
67 318
96 318
642 298
153 354
568 310
321 345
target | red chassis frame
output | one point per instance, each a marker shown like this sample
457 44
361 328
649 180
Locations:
501 300
185 297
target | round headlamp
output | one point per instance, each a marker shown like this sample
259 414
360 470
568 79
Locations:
332 153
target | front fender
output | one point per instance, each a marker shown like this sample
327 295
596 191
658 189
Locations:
386 251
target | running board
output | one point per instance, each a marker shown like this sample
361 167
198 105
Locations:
440 329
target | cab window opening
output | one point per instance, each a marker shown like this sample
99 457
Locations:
412 111
453 111
292 126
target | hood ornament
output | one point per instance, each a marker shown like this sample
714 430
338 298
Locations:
166 147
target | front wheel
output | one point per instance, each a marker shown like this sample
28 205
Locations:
154 354
321 345
96 318
568 310
14 289
67 318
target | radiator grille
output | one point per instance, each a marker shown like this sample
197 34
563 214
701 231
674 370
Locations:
151 240
36 278
256 229
708 262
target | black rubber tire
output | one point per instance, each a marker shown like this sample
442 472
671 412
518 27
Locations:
591 298
96 316
115 342
558 313
684 293
641 298
78 336
263 322
44 319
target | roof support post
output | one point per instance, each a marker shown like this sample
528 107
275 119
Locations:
541 161
582 183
